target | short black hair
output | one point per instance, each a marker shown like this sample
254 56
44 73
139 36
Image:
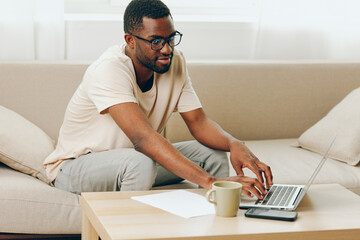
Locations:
137 9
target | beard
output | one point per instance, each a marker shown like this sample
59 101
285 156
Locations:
152 63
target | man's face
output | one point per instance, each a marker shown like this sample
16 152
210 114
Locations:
156 60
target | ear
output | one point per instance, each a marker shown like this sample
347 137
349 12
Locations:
130 41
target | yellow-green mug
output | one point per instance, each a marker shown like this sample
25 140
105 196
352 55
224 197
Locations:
226 197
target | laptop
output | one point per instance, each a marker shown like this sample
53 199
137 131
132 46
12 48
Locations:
284 196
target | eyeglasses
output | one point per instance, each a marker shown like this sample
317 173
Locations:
158 43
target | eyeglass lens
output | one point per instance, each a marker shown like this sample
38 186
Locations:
158 44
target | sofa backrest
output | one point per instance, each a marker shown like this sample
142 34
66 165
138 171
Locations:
40 91
251 100
267 100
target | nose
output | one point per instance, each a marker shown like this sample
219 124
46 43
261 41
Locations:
166 49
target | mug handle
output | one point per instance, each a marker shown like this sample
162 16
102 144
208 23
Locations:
208 195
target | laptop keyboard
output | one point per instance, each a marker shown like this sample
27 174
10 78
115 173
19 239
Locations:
278 196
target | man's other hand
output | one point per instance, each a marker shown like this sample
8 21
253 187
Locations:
241 157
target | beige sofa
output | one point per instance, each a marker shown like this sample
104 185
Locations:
268 104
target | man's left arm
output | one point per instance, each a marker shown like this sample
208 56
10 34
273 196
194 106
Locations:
212 135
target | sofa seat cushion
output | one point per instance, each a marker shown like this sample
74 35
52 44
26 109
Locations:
28 205
295 165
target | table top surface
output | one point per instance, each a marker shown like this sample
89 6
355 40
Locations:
327 208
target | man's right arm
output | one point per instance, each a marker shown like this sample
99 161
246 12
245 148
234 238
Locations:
133 122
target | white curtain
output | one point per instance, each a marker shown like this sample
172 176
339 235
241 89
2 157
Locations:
308 29
31 30
279 29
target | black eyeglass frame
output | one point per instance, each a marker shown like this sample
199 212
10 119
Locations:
166 40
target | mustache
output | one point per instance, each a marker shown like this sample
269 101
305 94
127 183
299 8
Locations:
164 55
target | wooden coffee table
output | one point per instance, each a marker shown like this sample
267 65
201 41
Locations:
328 211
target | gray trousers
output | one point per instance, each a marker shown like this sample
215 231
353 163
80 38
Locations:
128 170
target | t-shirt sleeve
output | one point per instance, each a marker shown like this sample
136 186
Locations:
188 100
110 84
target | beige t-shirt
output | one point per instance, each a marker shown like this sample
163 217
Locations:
108 81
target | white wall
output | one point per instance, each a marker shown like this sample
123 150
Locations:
87 39
266 29
217 39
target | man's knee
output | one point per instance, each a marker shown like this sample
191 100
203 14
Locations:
221 157
139 174
213 161
209 154
218 164
145 165
218 157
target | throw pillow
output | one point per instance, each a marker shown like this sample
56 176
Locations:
344 121
23 146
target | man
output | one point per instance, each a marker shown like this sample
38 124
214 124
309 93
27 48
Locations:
110 138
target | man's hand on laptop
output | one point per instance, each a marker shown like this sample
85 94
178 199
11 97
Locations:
250 186
241 157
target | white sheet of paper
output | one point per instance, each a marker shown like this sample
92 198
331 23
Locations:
179 202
